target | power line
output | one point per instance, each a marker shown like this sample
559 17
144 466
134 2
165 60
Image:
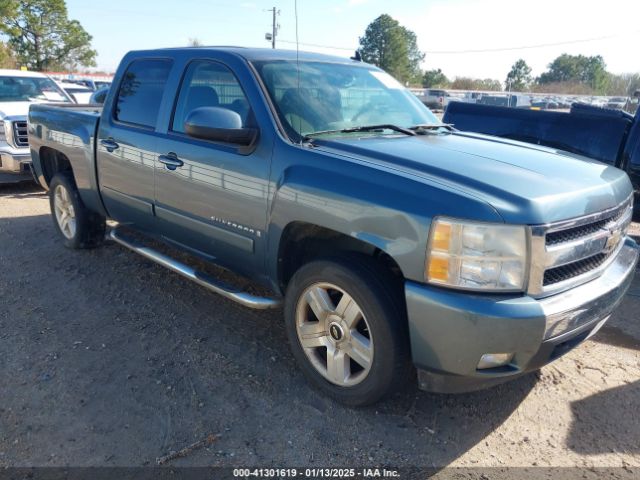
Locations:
316 45
486 50
529 47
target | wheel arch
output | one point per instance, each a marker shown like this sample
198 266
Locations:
301 242
53 161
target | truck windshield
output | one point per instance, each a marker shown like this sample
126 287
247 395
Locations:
331 97
29 89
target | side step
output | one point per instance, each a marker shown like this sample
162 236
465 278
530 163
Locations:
208 282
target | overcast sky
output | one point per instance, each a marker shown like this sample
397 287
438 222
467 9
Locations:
445 28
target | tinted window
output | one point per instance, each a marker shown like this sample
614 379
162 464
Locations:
141 92
209 84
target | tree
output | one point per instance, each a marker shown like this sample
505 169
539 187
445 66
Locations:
467 83
393 48
435 79
194 42
43 37
519 78
7 58
591 71
624 84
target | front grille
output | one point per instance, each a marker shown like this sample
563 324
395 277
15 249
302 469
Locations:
596 242
570 234
562 236
20 134
565 272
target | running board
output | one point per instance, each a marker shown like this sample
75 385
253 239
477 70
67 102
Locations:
208 282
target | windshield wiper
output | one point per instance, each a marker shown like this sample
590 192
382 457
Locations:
364 128
430 126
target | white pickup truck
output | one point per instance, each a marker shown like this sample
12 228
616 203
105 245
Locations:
18 90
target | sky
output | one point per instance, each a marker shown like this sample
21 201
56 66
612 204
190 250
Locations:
480 38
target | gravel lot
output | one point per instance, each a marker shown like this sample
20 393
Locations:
107 359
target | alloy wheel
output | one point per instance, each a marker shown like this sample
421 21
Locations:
334 334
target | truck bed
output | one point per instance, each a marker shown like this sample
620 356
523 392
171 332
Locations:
70 130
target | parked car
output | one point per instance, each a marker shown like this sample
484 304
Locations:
388 237
617 103
79 93
438 99
19 89
91 84
513 100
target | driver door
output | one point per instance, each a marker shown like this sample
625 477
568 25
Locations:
212 197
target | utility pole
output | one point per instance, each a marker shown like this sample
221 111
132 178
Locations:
274 27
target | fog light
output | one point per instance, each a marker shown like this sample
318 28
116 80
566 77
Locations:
493 360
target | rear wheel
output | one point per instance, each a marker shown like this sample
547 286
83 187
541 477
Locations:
79 227
347 329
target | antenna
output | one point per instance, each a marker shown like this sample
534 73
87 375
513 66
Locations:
295 9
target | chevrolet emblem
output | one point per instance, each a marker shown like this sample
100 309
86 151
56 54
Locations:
612 241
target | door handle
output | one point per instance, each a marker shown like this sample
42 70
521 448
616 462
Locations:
109 144
171 161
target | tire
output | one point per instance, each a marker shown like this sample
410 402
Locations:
354 358
78 226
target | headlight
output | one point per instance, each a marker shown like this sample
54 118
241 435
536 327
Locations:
477 256
3 137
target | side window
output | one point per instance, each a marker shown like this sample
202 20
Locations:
209 84
141 91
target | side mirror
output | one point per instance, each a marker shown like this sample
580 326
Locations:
219 125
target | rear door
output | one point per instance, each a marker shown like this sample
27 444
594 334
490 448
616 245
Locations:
126 142
215 201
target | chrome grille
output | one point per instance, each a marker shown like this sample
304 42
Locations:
20 134
565 272
566 254
570 234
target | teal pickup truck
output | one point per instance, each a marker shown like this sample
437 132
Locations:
393 242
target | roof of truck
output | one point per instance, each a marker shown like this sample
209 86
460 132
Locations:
258 54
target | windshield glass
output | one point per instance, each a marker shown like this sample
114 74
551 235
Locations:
335 96
29 89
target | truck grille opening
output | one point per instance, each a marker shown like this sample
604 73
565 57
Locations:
563 236
565 272
20 134
617 219
575 233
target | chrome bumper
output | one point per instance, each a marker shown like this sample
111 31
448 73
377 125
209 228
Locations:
594 300
13 162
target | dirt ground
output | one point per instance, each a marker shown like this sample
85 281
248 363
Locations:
107 359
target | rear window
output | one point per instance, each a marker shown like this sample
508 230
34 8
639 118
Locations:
141 92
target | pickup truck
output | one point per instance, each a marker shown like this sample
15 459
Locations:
390 239
18 90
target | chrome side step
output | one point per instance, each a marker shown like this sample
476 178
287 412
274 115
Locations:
208 282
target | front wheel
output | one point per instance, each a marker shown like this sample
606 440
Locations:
79 227
347 329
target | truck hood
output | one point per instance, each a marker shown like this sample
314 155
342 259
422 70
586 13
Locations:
524 183
11 109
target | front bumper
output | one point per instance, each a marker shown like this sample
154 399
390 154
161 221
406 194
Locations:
15 160
451 330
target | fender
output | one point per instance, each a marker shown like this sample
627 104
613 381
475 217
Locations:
388 211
